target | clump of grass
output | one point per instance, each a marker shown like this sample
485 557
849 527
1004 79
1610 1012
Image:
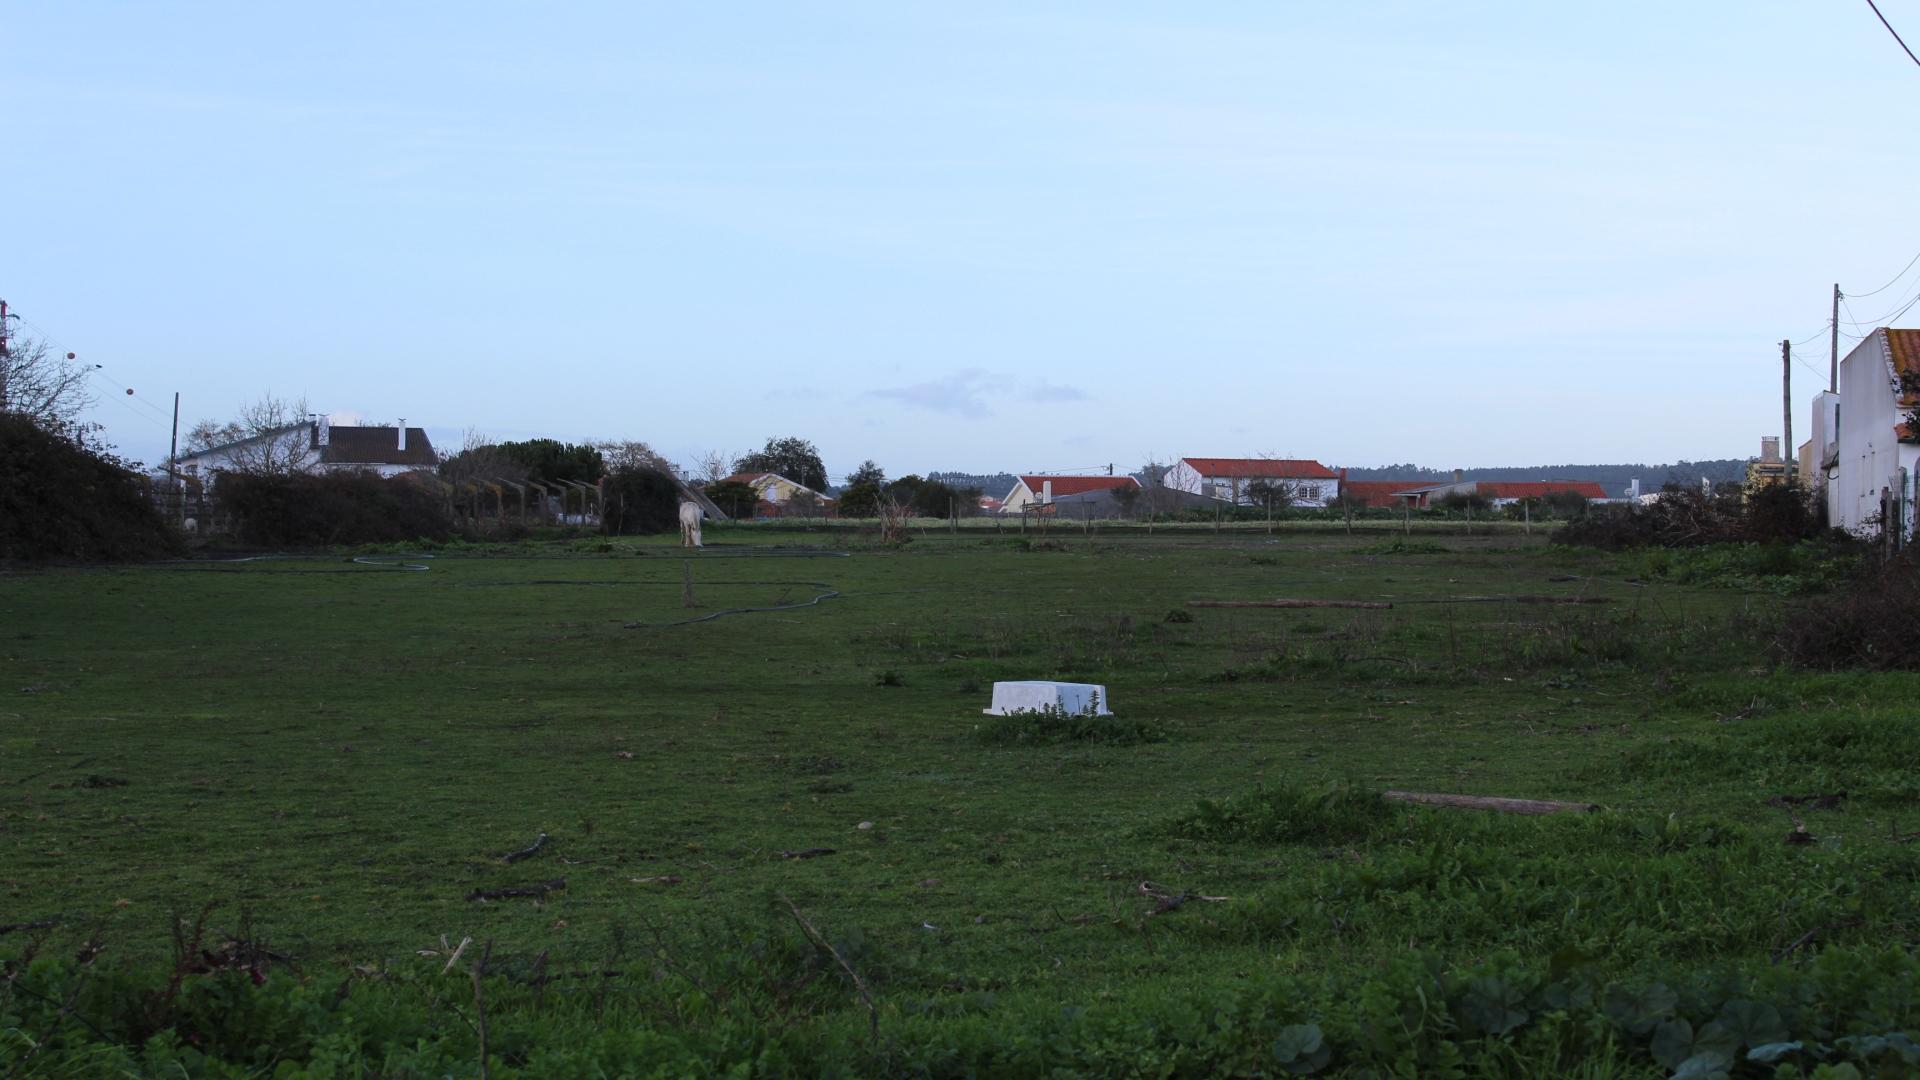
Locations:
1043 727
889 677
1338 813
1402 546
1178 615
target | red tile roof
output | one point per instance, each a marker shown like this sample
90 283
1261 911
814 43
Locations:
1076 485
1282 468
1534 489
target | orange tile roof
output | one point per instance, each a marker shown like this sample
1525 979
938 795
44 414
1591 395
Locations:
1280 468
1077 485
1534 489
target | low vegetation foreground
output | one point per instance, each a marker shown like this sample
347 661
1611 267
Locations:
525 811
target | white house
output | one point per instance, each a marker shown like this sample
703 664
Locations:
315 446
1232 479
1865 450
1033 491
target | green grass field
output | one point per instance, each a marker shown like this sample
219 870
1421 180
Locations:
337 754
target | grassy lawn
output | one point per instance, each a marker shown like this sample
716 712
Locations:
337 754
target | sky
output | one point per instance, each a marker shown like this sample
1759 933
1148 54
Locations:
983 237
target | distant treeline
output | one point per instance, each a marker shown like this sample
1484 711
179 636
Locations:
1615 478
995 485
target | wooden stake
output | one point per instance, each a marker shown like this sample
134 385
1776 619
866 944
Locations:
1370 605
1488 802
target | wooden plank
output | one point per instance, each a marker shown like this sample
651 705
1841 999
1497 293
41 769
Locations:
1368 604
1489 802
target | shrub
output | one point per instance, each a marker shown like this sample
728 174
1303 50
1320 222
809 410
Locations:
735 499
63 499
1780 512
639 501
1867 624
333 508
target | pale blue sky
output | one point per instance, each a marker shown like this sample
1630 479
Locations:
976 236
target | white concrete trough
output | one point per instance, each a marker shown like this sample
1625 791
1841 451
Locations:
1044 696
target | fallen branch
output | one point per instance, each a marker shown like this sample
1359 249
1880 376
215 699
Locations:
1489 802
43 924
813 935
1524 599
1172 901
539 890
455 958
526 852
480 1006
1370 605
807 853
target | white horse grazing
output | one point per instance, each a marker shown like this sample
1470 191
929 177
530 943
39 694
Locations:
690 515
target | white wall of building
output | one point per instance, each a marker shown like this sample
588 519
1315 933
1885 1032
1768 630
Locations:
1868 454
1307 491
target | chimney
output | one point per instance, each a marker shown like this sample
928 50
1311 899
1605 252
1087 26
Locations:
323 431
403 433
1635 492
1770 448
1459 475
1046 491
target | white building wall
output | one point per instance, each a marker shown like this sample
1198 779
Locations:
1182 477
1869 456
1307 492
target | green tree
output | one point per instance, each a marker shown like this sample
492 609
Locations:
861 500
867 473
792 457
735 499
552 461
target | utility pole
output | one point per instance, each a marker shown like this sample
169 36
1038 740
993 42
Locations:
173 459
1833 349
1788 457
3 355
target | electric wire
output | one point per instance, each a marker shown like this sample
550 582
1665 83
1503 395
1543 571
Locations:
1903 273
1895 33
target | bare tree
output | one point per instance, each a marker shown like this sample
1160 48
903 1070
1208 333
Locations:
1155 496
710 465
480 460
47 387
623 455
270 437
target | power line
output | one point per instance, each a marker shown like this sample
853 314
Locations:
1888 285
1879 320
1895 33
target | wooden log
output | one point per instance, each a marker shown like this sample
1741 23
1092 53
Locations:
1489 802
1370 605
1522 599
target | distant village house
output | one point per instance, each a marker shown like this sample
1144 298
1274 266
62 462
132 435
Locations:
1235 480
315 446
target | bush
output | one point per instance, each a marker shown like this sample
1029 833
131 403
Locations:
333 508
1867 624
639 501
735 499
62 499
1693 518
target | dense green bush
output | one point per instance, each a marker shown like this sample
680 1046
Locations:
62 499
734 498
639 501
332 508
